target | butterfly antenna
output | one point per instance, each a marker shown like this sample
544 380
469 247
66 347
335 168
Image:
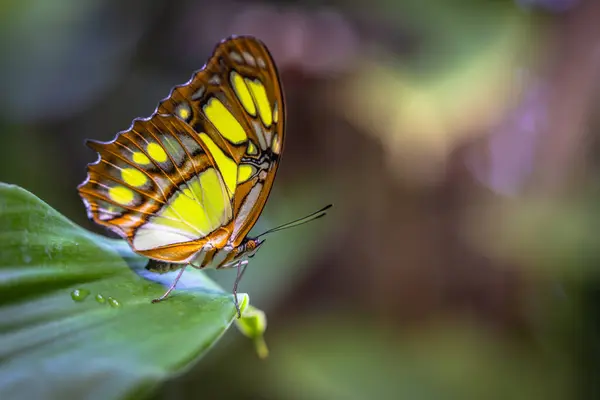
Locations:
299 221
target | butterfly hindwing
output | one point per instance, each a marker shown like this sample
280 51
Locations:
158 186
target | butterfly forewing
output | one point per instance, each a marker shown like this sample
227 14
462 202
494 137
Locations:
157 186
237 100
196 175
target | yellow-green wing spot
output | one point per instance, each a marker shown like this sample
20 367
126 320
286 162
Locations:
259 93
275 113
245 172
183 111
140 158
156 152
133 177
251 149
121 194
276 144
225 122
226 165
243 93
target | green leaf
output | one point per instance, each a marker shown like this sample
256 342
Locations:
76 319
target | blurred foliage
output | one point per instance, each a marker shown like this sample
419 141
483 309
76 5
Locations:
457 139
357 362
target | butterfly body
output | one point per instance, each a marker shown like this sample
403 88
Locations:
224 258
187 184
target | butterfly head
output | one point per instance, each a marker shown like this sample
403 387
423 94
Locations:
248 248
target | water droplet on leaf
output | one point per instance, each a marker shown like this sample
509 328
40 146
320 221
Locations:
100 299
79 294
114 302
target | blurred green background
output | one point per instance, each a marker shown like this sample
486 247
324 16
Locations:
457 139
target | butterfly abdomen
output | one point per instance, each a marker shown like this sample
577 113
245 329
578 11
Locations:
162 267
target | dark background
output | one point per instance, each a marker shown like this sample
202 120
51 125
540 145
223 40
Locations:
457 139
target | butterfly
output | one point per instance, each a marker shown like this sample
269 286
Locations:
186 185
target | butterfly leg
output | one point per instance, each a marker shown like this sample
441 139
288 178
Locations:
164 296
241 268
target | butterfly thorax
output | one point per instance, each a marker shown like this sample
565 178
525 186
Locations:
226 257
